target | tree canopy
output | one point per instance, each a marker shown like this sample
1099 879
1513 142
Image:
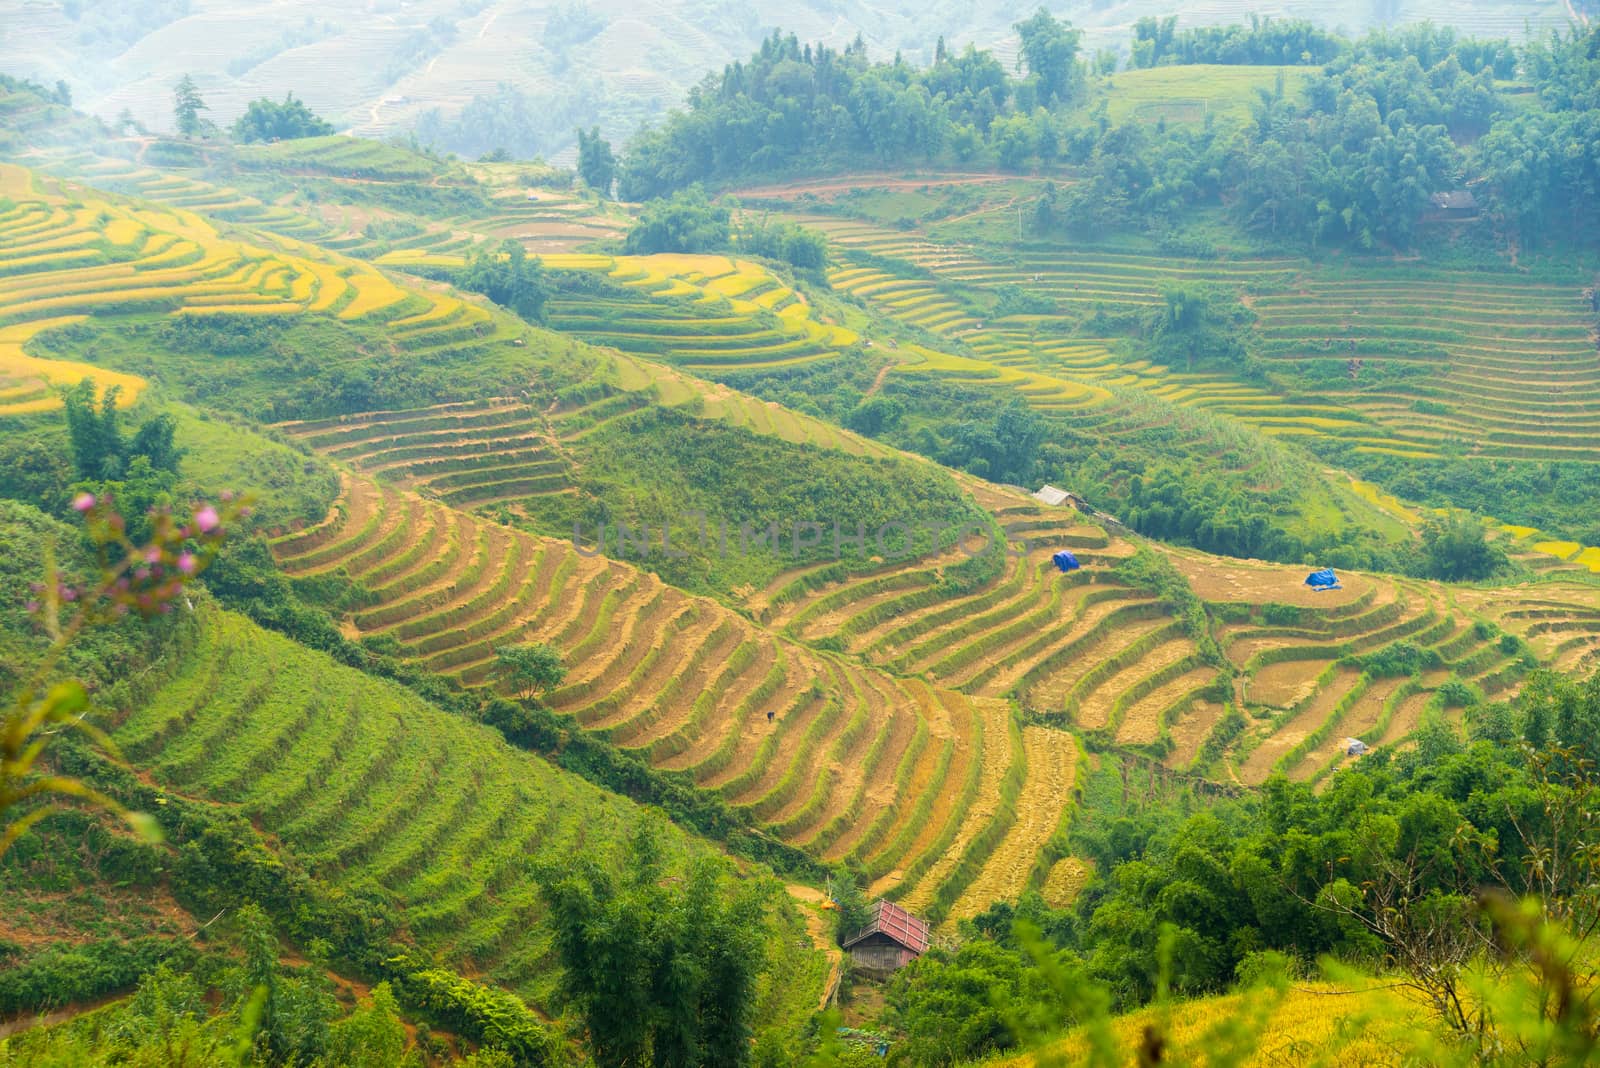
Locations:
529 669
683 222
187 105
662 971
597 166
264 120
509 277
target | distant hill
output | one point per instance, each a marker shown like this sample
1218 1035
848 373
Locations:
376 68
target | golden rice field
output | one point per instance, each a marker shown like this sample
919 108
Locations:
917 783
699 312
28 383
1320 1024
67 254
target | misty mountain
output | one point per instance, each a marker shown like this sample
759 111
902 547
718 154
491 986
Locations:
527 73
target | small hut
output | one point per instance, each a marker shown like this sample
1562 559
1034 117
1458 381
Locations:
1057 498
891 939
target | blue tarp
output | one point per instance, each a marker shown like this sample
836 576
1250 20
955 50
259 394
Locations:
1066 561
1323 580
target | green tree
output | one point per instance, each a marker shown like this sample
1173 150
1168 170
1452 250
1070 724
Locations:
371 1037
853 911
141 472
684 222
797 245
509 277
299 1006
1014 141
1457 549
264 120
528 669
1197 324
187 106
956 1008
1050 52
597 165
661 971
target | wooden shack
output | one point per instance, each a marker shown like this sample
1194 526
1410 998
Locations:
891 939
1057 498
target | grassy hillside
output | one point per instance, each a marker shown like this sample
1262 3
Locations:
379 795
1191 94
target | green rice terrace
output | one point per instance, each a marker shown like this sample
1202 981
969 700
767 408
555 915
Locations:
1500 353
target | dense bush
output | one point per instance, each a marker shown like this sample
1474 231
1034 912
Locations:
683 222
67 975
265 121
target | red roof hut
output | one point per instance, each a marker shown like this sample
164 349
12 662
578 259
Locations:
891 939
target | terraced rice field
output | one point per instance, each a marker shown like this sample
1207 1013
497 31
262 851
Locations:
891 772
464 455
1082 647
544 221
1558 619
1042 366
1109 661
1513 371
1510 364
28 383
116 175
66 254
1298 650
329 757
702 313
506 450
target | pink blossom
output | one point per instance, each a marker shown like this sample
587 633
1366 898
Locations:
152 555
206 519
83 502
33 606
186 563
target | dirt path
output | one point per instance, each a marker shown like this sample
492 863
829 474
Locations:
883 372
989 210
821 932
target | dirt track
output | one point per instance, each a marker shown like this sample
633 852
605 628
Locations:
821 936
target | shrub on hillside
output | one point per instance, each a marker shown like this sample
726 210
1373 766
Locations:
683 222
